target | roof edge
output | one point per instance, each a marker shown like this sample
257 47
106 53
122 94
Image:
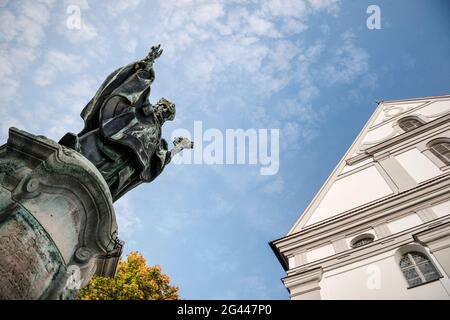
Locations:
413 99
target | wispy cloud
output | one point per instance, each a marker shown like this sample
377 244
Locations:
258 48
348 63
58 63
127 220
274 186
22 28
220 258
243 37
122 6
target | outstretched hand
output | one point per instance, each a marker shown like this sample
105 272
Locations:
183 143
155 53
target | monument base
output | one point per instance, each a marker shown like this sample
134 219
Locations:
57 221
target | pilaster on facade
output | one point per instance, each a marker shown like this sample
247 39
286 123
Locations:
437 239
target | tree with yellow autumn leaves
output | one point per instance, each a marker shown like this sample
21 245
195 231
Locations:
134 281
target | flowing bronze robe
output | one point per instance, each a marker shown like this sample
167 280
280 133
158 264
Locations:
124 143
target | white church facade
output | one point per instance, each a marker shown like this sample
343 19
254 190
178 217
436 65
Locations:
379 228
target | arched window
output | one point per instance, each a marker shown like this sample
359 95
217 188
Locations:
362 240
409 123
418 269
441 149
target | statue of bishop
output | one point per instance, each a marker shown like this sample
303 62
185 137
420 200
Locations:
122 129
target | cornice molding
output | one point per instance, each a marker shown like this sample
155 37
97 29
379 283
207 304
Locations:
377 247
433 190
433 237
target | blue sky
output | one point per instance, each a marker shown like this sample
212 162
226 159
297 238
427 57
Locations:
311 69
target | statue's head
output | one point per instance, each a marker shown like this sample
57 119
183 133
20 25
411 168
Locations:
165 110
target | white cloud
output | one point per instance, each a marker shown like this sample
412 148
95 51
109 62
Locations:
127 220
131 45
251 46
7 122
328 5
58 63
121 6
274 185
8 26
208 12
293 26
286 8
87 32
91 36
348 62
262 27
21 31
249 38
56 111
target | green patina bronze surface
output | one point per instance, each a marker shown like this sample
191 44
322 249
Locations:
30 263
57 222
122 129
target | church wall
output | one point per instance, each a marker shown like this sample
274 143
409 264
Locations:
426 110
406 222
391 110
350 192
391 225
378 278
419 167
351 273
441 209
319 253
400 169
395 191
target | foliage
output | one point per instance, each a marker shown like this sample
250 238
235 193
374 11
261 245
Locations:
134 281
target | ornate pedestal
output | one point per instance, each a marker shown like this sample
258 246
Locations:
57 221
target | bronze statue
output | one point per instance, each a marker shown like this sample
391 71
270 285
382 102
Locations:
122 130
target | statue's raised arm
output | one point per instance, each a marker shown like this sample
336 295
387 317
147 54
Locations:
154 53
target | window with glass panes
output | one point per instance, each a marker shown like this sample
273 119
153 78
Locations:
441 149
409 123
418 269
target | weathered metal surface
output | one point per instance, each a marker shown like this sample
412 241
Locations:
57 222
29 261
122 130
